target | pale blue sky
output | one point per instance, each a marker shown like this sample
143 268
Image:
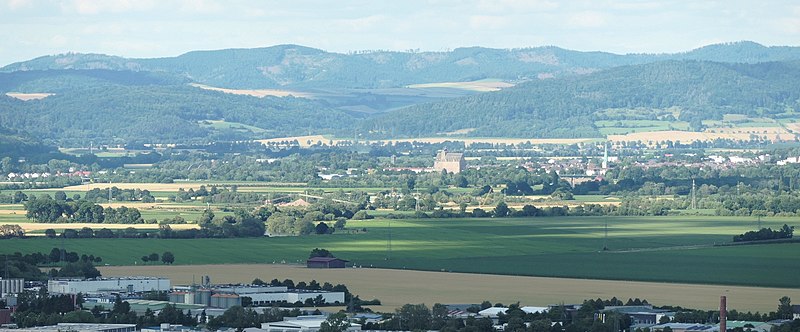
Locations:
156 28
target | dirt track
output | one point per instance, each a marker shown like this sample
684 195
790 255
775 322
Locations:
397 287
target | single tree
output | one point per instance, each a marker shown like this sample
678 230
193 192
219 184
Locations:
167 257
501 210
50 233
335 323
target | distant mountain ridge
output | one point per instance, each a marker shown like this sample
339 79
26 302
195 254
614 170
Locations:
106 99
299 67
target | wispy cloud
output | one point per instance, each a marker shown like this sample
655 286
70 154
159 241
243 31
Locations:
93 7
586 19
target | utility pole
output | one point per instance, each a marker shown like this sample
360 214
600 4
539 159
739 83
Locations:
694 195
389 242
605 237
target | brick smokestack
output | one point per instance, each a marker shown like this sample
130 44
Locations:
723 313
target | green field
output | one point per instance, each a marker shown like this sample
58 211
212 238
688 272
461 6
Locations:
671 249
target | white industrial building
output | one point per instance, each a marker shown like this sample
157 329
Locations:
295 296
301 324
108 285
11 286
225 296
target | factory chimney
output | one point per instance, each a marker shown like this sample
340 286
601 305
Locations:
723 313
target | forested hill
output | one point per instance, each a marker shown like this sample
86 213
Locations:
120 107
568 107
298 67
14 145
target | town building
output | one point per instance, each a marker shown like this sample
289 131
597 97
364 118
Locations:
5 316
449 161
108 285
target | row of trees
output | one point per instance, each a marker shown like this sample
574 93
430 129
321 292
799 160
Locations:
27 266
167 258
47 210
785 232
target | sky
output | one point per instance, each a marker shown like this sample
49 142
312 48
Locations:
160 28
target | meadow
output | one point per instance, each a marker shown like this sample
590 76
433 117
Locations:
663 249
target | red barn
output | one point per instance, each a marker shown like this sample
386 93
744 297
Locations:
325 263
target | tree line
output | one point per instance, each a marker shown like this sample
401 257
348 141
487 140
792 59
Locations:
45 209
785 232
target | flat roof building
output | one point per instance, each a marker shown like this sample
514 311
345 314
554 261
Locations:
301 324
108 285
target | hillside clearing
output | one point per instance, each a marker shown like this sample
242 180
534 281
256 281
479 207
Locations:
478 86
260 93
28 96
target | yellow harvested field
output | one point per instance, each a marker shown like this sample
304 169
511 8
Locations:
155 187
31 226
479 86
260 93
688 136
795 126
150 206
304 140
28 96
397 287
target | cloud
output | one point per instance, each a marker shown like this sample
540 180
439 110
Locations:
362 23
586 19
486 22
201 6
58 41
507 6
636 5
93 7
17 4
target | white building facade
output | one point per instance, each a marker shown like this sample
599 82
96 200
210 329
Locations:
108 285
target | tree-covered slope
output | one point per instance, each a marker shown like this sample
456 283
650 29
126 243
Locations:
298 67
14 145
567 107
122 107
